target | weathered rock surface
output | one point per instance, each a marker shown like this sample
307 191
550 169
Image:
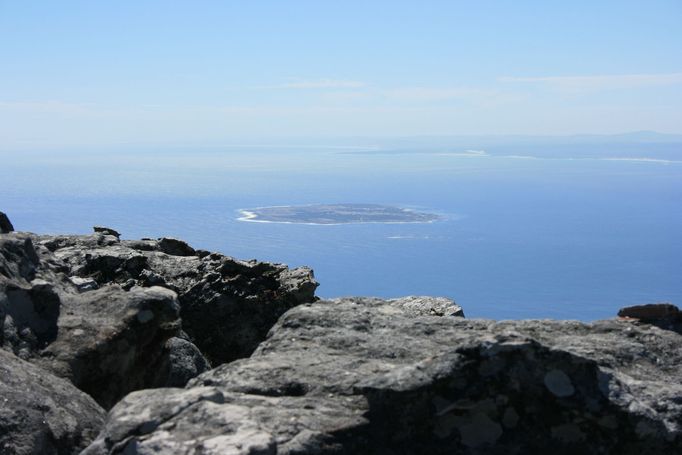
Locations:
107 342
110 342
183 362
370 376
227 306
43 414
101 312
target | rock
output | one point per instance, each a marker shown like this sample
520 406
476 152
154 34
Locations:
111 342
230 310
5 224
663 315
651 312
84 284
41 413
227 305
106 231
370 376
209 421
19 259
414 305
175 247
185 361
86 308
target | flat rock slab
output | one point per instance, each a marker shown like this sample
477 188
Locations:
372 376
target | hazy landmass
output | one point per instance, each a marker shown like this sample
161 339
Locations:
335 214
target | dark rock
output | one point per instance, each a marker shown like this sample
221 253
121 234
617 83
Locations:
663 315
106 231
185 362
18 257
34 311
41 413
111 342
175 247
231 308
650 312
371 376
202 253
5 224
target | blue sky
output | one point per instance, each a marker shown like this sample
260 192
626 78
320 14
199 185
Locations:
212 72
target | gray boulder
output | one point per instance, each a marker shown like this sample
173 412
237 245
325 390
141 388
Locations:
41 413
227 305
184 362
372 376
110 342
80 307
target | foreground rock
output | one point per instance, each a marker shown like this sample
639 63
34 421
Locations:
227 306
111 342
107 342
366 376
105 313
43 414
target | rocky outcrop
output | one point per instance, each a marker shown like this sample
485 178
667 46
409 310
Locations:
227 306
41 413
105 313
371 376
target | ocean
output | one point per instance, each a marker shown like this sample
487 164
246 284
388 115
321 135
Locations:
526 231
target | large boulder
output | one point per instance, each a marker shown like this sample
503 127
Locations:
41 413
372 376
110 342
227 305
107 341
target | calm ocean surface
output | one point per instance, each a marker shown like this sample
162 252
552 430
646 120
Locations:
521 237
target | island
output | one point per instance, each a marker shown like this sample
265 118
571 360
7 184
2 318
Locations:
335 214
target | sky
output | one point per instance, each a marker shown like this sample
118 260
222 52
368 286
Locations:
94 73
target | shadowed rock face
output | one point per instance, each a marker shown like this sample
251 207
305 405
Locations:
104 313
41 413
5 224
371 376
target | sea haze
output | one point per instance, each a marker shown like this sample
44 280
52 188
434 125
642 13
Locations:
524 230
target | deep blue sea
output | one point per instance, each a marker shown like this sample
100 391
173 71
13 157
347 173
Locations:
527 233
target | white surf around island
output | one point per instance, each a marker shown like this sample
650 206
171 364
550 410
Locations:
255 215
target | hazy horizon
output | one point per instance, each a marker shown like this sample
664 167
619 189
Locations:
89 74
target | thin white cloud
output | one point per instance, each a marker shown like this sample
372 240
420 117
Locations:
600 82
316 84
434 94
